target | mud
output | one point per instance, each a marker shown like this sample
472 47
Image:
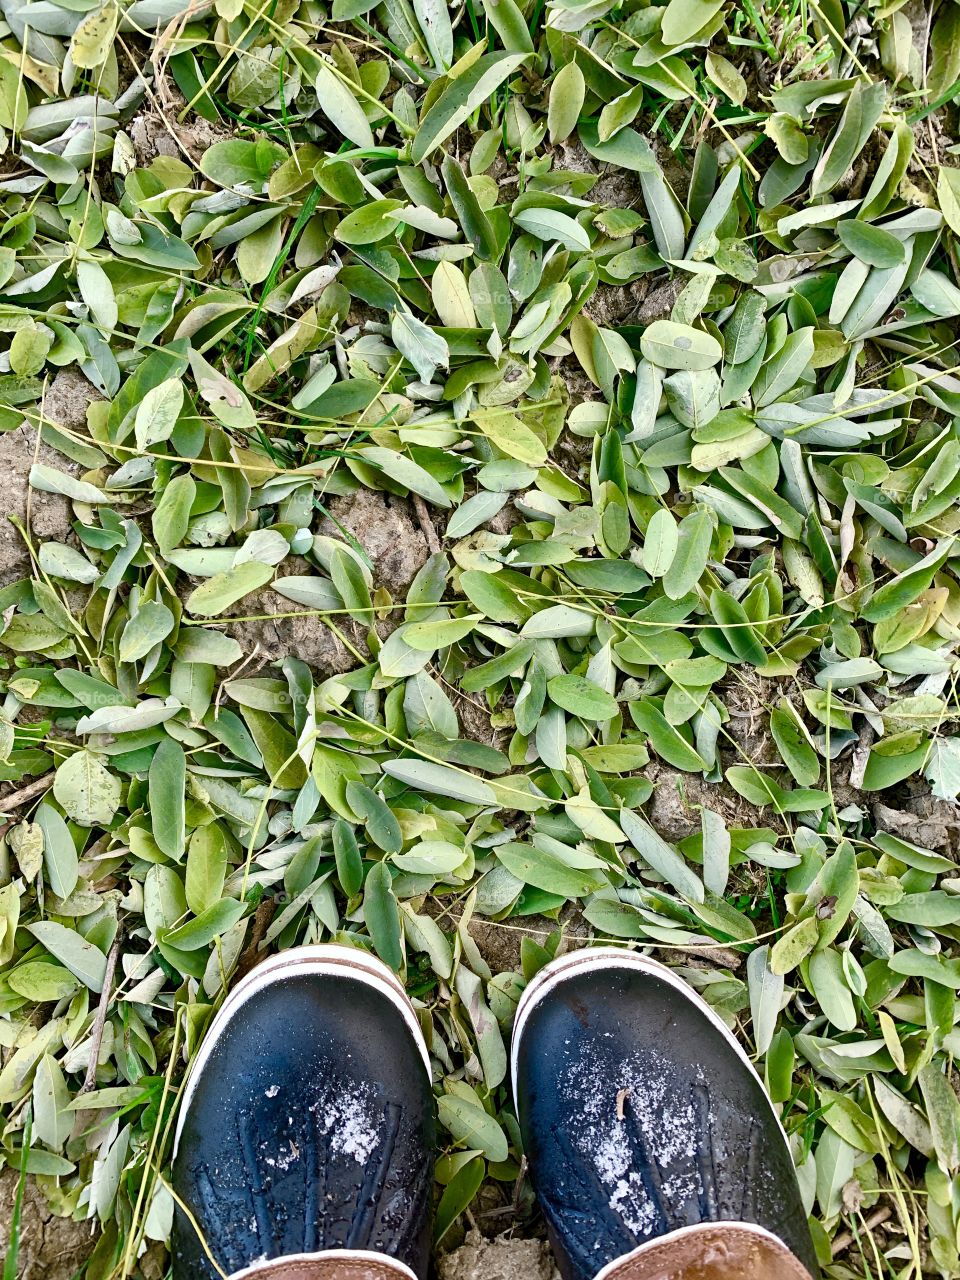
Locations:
270 627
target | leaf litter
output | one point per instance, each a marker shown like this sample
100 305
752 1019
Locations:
483 469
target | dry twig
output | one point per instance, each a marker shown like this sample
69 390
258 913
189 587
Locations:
99 1022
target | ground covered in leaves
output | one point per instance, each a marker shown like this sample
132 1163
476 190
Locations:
482 479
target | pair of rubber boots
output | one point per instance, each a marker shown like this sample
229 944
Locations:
304 1149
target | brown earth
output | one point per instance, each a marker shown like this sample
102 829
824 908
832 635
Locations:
504 1258
51 1248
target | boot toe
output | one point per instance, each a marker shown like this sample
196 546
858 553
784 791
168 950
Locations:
307 1124
641 1114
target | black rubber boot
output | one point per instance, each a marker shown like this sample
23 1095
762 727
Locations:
641 1116
307 1126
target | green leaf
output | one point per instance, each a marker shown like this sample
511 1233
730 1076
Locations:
171 517
679 346
460 98
582 697
468 1123
860 115
341 107
616 919
942 768
87 791
548 871
656 853
59 851
347 854
661 543
476 226
872 245
369 223
766 996
724 74
794 746
737 629
716 851
210 924
458 1195
82 958
434 19
567 93
150 625
93 38
347 577
507 19
944 69
50 480
157 413
403 470
421 345
278 747
905 587
218 593
167 783
381 825
943 1114
689 560
382 916
551 225
441 780
430 636
683 18
793 946
666 740
831 989
206 868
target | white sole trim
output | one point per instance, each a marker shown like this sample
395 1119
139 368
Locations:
593 959
328 1255
683 1233
321 960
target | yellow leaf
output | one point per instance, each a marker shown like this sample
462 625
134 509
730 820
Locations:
93 38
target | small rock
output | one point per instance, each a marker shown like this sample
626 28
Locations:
673 809
924 820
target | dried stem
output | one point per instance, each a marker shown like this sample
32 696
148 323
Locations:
426 524
845 1239
99 1022
13 801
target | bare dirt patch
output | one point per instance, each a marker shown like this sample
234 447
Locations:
46 514
386 529
505 1258
51 1248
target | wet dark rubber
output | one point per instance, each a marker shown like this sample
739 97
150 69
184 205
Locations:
310 1127
639 1116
